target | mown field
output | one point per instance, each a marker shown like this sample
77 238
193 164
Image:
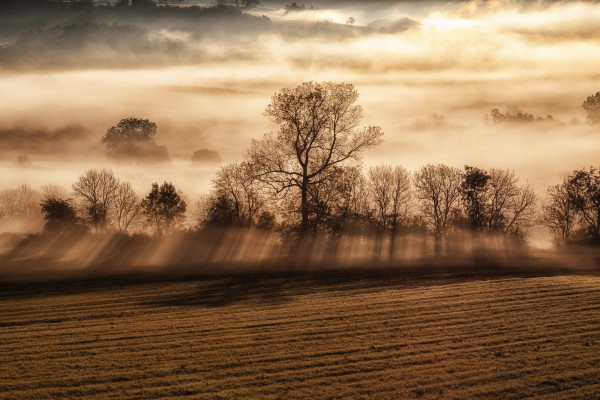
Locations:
381 334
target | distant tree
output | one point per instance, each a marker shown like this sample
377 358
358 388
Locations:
558 213
60 215
294 7
133 138
474 189
350 21
592 107
438 188
318 130
143 3
19 202
513 114
126 207
96 190
164 208
250 3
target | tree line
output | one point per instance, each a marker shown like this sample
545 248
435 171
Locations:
306 179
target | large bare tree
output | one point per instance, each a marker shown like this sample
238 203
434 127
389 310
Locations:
318 130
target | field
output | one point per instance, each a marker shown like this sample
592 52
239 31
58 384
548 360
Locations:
494 334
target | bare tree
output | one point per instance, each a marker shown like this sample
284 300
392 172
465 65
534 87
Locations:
318 129
438 189
55 191
20 202
583 188
236 183
95 190
390 192
558 213
127 210
511 207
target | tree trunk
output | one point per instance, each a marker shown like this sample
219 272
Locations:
304 209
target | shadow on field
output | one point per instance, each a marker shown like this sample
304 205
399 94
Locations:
223 292
279 287
189 289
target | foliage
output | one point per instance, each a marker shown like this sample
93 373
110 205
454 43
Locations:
513 114
583 189
592 107
60 215
164 208
473 190
318 130
133 138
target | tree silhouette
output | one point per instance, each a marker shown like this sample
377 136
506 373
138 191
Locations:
583 188
558 213
235 185
592 107
474 189
126 207
164 208
96 190
438 188
133 138
511 208
318 129
60 216
390 192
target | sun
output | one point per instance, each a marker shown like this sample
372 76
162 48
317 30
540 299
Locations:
442 23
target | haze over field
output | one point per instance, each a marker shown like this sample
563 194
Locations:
269 199
427 75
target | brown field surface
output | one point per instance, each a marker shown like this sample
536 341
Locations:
359 334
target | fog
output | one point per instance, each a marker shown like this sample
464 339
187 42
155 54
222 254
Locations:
207 88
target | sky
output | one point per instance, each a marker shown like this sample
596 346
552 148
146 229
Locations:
458 61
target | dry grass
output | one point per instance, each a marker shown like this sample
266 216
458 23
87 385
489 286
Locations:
386 335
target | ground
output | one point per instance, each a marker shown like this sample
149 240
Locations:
329 335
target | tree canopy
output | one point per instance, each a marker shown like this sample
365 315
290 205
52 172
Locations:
592 107
133 138
318 130
164 208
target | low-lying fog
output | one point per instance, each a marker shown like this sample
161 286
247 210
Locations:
457 61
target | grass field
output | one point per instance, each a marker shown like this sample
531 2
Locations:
358 334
